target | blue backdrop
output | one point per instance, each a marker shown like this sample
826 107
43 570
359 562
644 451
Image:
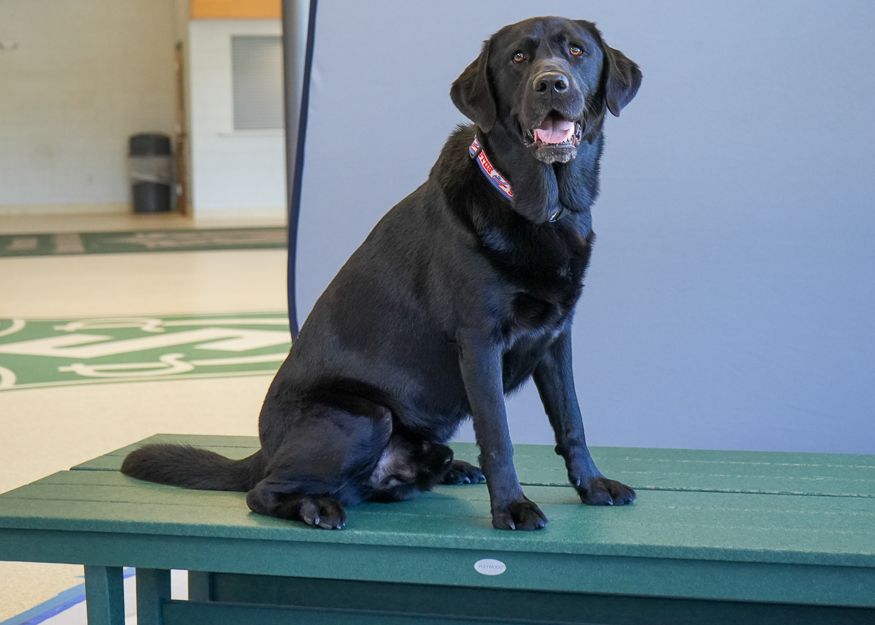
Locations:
730 302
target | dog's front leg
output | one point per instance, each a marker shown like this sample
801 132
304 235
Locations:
480 362
554 378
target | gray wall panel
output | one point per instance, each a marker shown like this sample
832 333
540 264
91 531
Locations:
731 296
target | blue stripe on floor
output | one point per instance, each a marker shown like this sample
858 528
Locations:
55 606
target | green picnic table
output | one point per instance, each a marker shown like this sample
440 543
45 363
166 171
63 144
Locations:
715 537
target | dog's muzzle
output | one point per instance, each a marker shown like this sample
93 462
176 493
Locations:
555 139
555 127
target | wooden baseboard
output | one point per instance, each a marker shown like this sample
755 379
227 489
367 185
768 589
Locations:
236 9
89 208
243 212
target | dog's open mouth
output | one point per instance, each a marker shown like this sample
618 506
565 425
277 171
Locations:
556 136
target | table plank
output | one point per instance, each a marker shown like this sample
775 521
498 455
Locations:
843 475
670 524
838 475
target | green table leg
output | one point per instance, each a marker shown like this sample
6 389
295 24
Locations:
153 588
105 595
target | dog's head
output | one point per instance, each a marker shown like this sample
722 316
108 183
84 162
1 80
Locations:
548 81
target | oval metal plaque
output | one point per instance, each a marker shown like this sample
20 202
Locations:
490 567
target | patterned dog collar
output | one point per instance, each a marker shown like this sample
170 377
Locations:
475 150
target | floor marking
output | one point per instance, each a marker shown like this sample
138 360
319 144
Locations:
67 607
17 324
7 379
96 346
69 244
59 352
182 238
22 244
143 241
151 378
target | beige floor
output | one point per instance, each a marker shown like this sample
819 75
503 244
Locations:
48 430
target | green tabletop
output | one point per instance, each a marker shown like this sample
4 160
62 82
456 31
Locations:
739 526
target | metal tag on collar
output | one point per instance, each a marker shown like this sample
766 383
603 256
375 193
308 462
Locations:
557 214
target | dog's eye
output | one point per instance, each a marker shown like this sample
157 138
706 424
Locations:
575 50
519 57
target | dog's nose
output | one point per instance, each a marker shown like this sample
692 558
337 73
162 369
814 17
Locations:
550 82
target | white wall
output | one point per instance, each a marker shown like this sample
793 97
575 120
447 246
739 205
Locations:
234 174
85 75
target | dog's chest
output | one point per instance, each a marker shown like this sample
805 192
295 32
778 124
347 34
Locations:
530 312
532 324
547 274
540 312
547 284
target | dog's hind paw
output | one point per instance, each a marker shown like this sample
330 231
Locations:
519 515
322 512
462 472
604 492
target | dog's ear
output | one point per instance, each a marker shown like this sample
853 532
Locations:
472 92
623 80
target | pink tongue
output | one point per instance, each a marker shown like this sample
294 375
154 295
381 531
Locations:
554 130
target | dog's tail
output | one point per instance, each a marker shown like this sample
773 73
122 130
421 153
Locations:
191 467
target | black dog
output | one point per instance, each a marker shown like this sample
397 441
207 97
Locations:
460 294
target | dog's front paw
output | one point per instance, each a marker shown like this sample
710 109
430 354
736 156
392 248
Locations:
462 472
519 515
601 491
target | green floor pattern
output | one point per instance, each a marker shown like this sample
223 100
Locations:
15 245
38 353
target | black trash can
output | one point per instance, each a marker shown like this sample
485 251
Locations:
150 162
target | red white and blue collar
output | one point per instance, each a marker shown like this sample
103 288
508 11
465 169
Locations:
475 150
